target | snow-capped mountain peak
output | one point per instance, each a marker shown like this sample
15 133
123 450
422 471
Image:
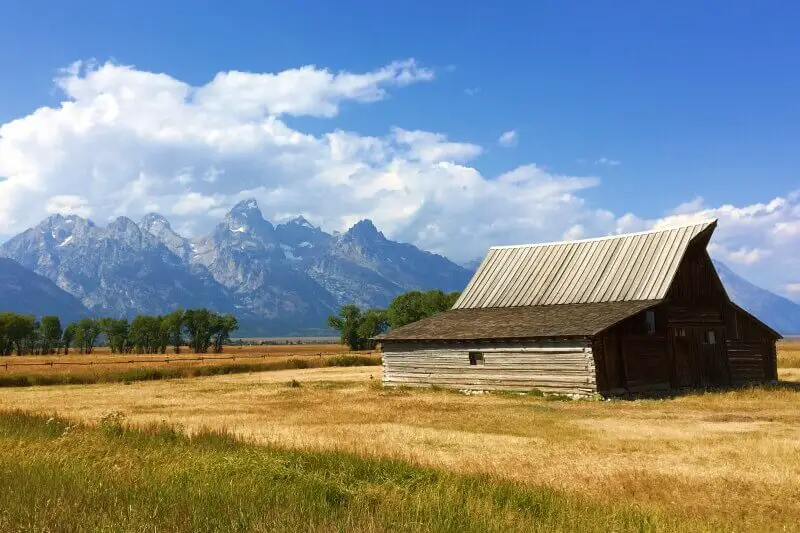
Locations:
154 223
300 220
279 280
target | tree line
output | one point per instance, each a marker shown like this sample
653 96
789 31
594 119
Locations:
199 329
357 327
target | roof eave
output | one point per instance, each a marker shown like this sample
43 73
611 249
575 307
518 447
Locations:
751 315
654 303
494 339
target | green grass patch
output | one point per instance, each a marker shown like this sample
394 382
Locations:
156 373
353 360
68 477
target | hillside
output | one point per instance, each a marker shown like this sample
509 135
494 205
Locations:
25 292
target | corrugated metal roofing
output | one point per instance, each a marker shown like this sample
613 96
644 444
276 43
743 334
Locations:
632 267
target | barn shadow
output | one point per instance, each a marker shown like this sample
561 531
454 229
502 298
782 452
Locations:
787 385
791 386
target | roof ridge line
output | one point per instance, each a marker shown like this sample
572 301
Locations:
707 222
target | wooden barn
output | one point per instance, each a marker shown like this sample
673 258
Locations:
623 314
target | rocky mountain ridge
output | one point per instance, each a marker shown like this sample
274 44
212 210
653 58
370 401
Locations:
282 279
278 279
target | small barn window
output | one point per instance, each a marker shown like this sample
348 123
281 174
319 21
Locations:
709 338
680 332
650 319
475 358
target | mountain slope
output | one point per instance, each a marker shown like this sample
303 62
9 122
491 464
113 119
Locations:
778 312
362 266
244 255
26 292
278 280
118 270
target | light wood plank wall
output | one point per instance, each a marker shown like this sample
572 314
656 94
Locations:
564 368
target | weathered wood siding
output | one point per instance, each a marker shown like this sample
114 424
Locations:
564 367
746 361
752 356
646 365
696 282
631 359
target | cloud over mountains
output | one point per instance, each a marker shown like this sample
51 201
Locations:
127 142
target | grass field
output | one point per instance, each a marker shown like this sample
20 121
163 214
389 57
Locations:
72 478
789 354
708 461
102 366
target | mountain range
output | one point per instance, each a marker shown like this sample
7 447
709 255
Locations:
280 279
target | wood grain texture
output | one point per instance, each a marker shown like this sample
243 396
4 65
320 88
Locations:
564 368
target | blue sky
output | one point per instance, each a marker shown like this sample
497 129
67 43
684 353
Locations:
662 103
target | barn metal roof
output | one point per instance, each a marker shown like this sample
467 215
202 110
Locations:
631 267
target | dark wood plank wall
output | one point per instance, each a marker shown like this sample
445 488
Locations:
751 349
630 358
701 339
696 283
599 354
677 354
698 346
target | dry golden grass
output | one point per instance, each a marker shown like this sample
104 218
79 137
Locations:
103 362
731 456
789 354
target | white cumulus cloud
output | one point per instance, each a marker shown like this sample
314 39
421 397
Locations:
508 139
125 141
68 204
749 237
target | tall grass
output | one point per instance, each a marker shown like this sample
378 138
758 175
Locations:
153 373
62 477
